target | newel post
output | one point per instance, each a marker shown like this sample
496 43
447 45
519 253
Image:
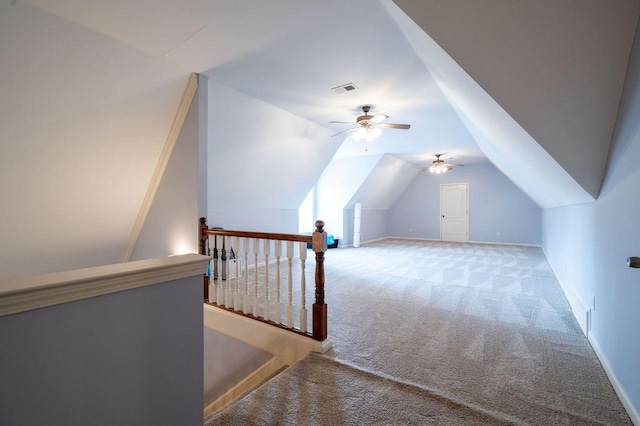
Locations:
319 245
203 250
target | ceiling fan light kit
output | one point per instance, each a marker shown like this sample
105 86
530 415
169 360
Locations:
369 127
439 166
439 169
367 134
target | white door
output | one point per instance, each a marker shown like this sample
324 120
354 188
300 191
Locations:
454 212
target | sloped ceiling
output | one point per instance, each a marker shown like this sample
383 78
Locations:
89 90
271 163
387 181
556 67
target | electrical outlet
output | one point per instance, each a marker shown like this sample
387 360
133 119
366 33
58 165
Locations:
593 303
498 233
410 230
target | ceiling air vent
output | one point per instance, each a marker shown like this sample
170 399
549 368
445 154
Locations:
344 88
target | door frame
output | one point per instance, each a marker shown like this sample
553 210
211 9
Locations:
466 184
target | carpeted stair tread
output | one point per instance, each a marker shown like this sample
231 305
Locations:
319 390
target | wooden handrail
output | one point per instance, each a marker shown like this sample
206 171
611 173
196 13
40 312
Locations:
318 242
262 235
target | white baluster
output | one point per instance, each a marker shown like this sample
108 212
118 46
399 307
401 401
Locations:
256 249
265 297
277 251
290 281
303 288
227 288
245 298
212 278
219 277
236 298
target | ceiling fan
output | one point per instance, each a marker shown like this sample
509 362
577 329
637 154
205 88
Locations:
439 166
369 127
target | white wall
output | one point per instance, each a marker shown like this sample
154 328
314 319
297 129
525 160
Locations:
339 181
227 362
263 162
495 204
588 244
171 226
84 119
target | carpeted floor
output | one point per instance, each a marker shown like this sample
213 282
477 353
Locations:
440 333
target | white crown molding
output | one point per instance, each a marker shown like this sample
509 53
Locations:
39 291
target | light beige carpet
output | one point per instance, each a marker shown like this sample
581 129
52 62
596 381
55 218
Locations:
336 394
460 333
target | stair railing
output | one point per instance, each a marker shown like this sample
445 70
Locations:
246 276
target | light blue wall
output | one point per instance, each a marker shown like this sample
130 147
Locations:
374 224
133 357
260 220
588 245
495 204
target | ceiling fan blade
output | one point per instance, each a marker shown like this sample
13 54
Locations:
345 131
378 118
393 126
342 122
453 165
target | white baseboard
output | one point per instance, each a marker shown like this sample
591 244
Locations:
632 411
375 240
505 244
471 242
253 380
411 238
578 308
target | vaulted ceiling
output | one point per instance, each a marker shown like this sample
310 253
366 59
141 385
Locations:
89 89
531 85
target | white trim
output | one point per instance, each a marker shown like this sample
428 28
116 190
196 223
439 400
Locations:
170 143
463 242
256 378
622 394
415 238
291 347
577 305
39 291
496 243
375 240
569 295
